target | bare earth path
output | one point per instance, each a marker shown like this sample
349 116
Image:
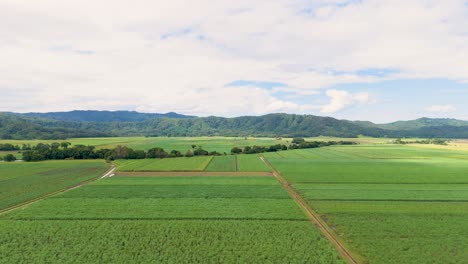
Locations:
313 216
109 173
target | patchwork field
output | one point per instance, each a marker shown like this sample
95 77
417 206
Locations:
219 144
227 163
21 181
389 204
166 219
384 203
170 164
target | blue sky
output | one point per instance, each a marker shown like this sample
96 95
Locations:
346 59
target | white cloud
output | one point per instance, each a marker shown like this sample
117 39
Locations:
340 100
441 109
178 55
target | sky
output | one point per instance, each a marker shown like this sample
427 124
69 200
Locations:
374 60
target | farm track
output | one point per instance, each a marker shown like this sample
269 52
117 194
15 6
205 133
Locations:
237 163
195 173
108 173
313 216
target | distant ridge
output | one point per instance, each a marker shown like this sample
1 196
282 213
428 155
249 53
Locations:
103 116
61 125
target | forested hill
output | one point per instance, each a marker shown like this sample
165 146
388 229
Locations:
103 116
83 124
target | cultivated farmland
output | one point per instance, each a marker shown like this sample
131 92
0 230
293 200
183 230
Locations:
384 203
389 204
169 164
223 163
251 162
21 182
219 144
165 219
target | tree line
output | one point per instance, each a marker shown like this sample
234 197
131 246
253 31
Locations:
9 147
62 151
435 141
296 143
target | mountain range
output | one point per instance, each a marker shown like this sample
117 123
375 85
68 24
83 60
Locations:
62 125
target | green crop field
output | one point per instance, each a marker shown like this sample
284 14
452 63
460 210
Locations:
170 164
220 144
246 163
21 181
223 163
388 203
163 241
251 162
164 219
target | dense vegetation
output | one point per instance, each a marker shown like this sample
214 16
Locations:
97 124
103 116
9 147
62 151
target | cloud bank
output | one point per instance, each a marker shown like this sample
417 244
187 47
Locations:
159 56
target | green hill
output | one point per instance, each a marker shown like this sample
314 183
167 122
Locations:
71 124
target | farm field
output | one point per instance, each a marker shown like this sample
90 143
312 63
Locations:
227 163
219 144
223 163
170 164
166 219
251 162
21 181
387 203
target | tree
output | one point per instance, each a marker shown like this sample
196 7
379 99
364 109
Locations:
298 140
175 153
65 144
157 152
189 153
9 158
200 151
121 152
236 150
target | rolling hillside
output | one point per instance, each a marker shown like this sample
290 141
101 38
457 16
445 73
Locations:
124 123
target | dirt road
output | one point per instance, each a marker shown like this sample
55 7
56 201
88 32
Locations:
313 216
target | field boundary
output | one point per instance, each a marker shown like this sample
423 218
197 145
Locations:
314 216
162 219
109 173
194 173
208 163
237 163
